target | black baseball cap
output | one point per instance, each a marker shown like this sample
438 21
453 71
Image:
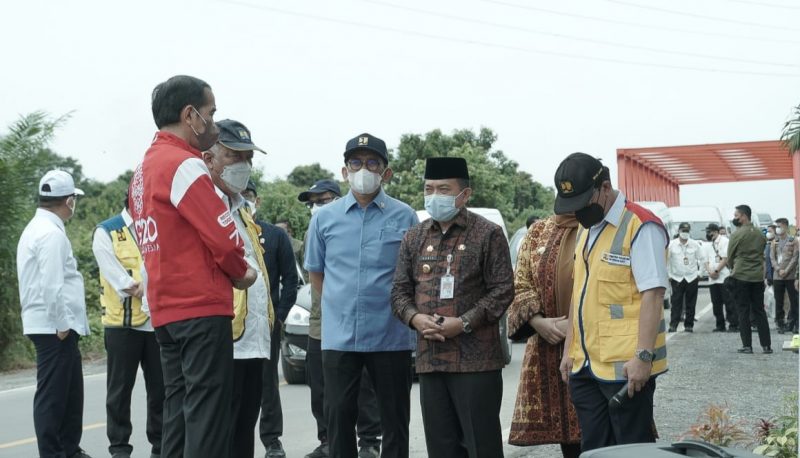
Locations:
712 227
684 225
234 135
575 182
318 188
367 142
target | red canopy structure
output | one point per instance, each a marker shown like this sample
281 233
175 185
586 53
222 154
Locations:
656 174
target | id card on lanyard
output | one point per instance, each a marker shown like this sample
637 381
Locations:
448 282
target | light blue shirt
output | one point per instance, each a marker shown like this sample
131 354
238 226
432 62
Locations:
648 255
356 249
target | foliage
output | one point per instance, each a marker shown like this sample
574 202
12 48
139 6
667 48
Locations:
791 132
496 180
303 176
715 425
778 437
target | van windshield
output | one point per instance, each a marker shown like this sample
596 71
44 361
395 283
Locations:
697 231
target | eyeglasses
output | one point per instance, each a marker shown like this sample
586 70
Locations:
373 165
321 202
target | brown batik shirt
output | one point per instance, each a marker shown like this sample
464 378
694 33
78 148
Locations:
484 288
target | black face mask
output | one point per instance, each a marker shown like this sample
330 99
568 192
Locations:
709 236
736 222
591 215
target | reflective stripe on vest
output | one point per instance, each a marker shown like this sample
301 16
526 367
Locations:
606 323
240 306
119 312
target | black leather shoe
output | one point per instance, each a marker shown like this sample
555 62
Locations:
688 329
672 329
733 329
766 350
748 350
718 330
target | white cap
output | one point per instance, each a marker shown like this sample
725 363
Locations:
58 183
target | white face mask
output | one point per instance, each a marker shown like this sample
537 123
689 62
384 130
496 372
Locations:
364 181
779 230
236 175
684 235
441 207
770 236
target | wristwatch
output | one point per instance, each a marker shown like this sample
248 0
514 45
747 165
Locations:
465 326
645 355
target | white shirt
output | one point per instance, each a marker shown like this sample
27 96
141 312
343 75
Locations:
112 270
255 342
714 253
51 289
647 249
684 260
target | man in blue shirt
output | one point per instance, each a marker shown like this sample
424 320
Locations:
352 247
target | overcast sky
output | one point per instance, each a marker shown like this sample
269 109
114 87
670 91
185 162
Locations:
549 77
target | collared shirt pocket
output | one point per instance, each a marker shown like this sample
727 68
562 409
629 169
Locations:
390 245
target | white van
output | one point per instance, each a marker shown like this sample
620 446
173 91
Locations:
660 209
698 218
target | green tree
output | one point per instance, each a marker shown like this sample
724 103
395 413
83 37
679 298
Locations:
791 132
497 181
304 176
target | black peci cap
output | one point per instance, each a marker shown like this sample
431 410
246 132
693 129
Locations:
575 182
444 168
684 226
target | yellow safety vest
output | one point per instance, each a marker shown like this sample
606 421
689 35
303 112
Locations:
605 318
116 312
253 231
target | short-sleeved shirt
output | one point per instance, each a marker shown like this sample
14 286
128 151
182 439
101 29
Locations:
356 249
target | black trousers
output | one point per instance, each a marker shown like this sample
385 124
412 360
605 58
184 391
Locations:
391 374
197 361
126 350
58 402
368 425
780 288
684 294
723 306
247 387
461 414
270 426
602 427
750 301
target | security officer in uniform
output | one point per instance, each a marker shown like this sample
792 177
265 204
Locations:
129 338
617 335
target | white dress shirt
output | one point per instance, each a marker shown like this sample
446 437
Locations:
714 253
51 289
255 342
684 260
647 248
112 270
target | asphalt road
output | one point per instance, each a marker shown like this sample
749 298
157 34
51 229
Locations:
704 367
